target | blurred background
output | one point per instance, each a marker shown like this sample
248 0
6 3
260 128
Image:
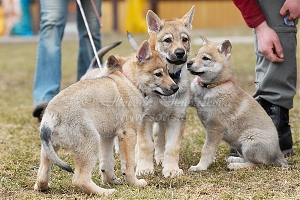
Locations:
21 17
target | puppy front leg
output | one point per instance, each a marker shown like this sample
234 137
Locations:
213 138
174 135
159 131
127 142
145 148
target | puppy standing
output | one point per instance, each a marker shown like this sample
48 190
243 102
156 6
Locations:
168 114
85 117
229 113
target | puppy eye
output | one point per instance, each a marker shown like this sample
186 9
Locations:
158 74
167 40
205 58
184 39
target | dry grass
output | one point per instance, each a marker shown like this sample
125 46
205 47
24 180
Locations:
20 144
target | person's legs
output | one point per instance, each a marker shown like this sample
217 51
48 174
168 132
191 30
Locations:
48 64
276 82
86 54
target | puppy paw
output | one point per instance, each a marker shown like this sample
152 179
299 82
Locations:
234 159
231 166
109 192
116 181
159 160
140 183
171 173
236 166
106 179
197 168
144 171
40 187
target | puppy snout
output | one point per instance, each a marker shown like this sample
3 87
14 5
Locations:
179 53
174 88
189 64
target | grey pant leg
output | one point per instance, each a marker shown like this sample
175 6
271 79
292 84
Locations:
276 82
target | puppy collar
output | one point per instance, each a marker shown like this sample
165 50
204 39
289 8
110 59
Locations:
125 74
175 76
212 85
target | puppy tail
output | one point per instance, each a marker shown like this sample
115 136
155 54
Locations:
48 147
134 45
101 53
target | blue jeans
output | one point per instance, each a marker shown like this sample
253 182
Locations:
48 64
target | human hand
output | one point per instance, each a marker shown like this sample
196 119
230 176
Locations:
268 43
291 6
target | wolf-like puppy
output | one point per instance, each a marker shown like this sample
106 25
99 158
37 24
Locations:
85 118
165 117
229 113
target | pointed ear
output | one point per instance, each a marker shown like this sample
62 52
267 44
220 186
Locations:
154 22
225 47
152 40
204 40
188 18
112 62
144 52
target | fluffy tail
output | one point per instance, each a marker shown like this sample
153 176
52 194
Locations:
50 152
101 53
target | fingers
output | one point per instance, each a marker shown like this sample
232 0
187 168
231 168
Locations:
274 55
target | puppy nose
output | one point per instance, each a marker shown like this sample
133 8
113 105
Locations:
174 88
189 64
179 53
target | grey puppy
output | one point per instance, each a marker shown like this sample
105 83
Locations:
229 113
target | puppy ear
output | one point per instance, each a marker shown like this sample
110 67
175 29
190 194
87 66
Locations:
188 18
154 22
112 62
204 40
152 40
225 47
144 52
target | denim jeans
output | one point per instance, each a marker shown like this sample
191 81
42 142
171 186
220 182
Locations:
48 64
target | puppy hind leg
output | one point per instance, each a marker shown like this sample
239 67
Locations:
43 172
82 178
107 161
127 142
159 131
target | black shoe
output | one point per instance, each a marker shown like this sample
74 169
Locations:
280 118
38 111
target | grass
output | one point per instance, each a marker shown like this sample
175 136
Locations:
20 143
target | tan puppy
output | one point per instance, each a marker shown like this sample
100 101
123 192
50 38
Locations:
165 116
229 113
85 118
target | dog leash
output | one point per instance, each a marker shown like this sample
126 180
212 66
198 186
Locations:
96 12
89 33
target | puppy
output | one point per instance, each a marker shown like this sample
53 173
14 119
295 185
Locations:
229 113
85 118
165 117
